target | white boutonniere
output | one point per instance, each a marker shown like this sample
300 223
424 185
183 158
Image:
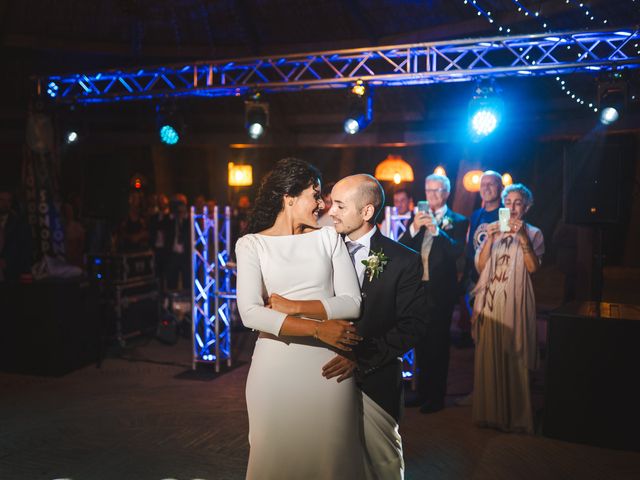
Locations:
447 223
375 263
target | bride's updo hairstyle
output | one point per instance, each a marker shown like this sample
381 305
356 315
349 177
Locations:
290 176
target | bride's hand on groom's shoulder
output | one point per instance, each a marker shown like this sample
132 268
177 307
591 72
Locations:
341 366
338 333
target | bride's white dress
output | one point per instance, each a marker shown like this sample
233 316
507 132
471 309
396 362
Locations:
301 425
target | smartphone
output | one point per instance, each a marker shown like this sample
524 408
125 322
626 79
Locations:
504 215
423 206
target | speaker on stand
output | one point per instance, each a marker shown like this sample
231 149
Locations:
593 172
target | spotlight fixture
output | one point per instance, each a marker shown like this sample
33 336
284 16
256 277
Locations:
612 97
359 113
256 116
71 137
170 125
169 135
485 110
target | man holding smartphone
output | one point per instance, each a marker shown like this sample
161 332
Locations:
438 233
490 191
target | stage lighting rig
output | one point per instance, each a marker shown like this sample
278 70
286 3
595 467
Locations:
256 116
485 110
359 108
613 93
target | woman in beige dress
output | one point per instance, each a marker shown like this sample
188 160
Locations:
504 319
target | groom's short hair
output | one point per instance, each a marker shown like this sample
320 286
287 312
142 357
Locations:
370 192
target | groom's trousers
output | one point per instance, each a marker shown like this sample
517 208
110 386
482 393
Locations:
383 445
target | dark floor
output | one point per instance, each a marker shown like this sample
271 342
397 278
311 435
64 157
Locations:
141 416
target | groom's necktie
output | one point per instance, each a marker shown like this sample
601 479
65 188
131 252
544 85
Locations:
353 247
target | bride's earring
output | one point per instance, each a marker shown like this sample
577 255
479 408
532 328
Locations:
291 203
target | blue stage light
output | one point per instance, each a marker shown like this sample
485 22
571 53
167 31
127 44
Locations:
351 126
484 121
256 116
169 135
485 110
609 115
359 108
52 89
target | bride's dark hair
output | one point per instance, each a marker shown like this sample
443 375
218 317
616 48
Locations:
290 176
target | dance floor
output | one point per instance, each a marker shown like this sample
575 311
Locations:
142 415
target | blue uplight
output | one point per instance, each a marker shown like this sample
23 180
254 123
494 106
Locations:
609 115
351 126
52 89
169 135
484 122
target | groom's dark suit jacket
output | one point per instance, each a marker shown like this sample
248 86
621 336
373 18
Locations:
393 320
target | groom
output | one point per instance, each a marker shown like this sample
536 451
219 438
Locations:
393 319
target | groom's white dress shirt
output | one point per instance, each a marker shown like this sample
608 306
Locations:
362 253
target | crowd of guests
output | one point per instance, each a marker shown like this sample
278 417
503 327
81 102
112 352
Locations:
460 256
492 268
154 222
164 228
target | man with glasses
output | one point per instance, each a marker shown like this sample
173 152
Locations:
439 235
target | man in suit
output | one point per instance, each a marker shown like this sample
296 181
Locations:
392 321
439 236
403 202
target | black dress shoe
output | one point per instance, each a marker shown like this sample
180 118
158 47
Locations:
431 407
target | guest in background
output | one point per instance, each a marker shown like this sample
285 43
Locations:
324 220
403 201
178 269
159 224
490 190
439 236
504 319
199 203
15 241
133 233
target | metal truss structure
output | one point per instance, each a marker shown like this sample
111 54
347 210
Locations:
410 64
394 228
213 291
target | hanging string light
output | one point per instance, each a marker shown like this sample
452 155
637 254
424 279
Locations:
486 14
529 13
586 10
536 14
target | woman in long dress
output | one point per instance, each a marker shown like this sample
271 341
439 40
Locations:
505 319
295 280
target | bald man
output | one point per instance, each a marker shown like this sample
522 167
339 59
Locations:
393 320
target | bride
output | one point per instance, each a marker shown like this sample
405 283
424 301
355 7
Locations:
297 285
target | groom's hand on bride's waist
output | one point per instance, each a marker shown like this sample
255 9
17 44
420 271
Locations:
340 366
